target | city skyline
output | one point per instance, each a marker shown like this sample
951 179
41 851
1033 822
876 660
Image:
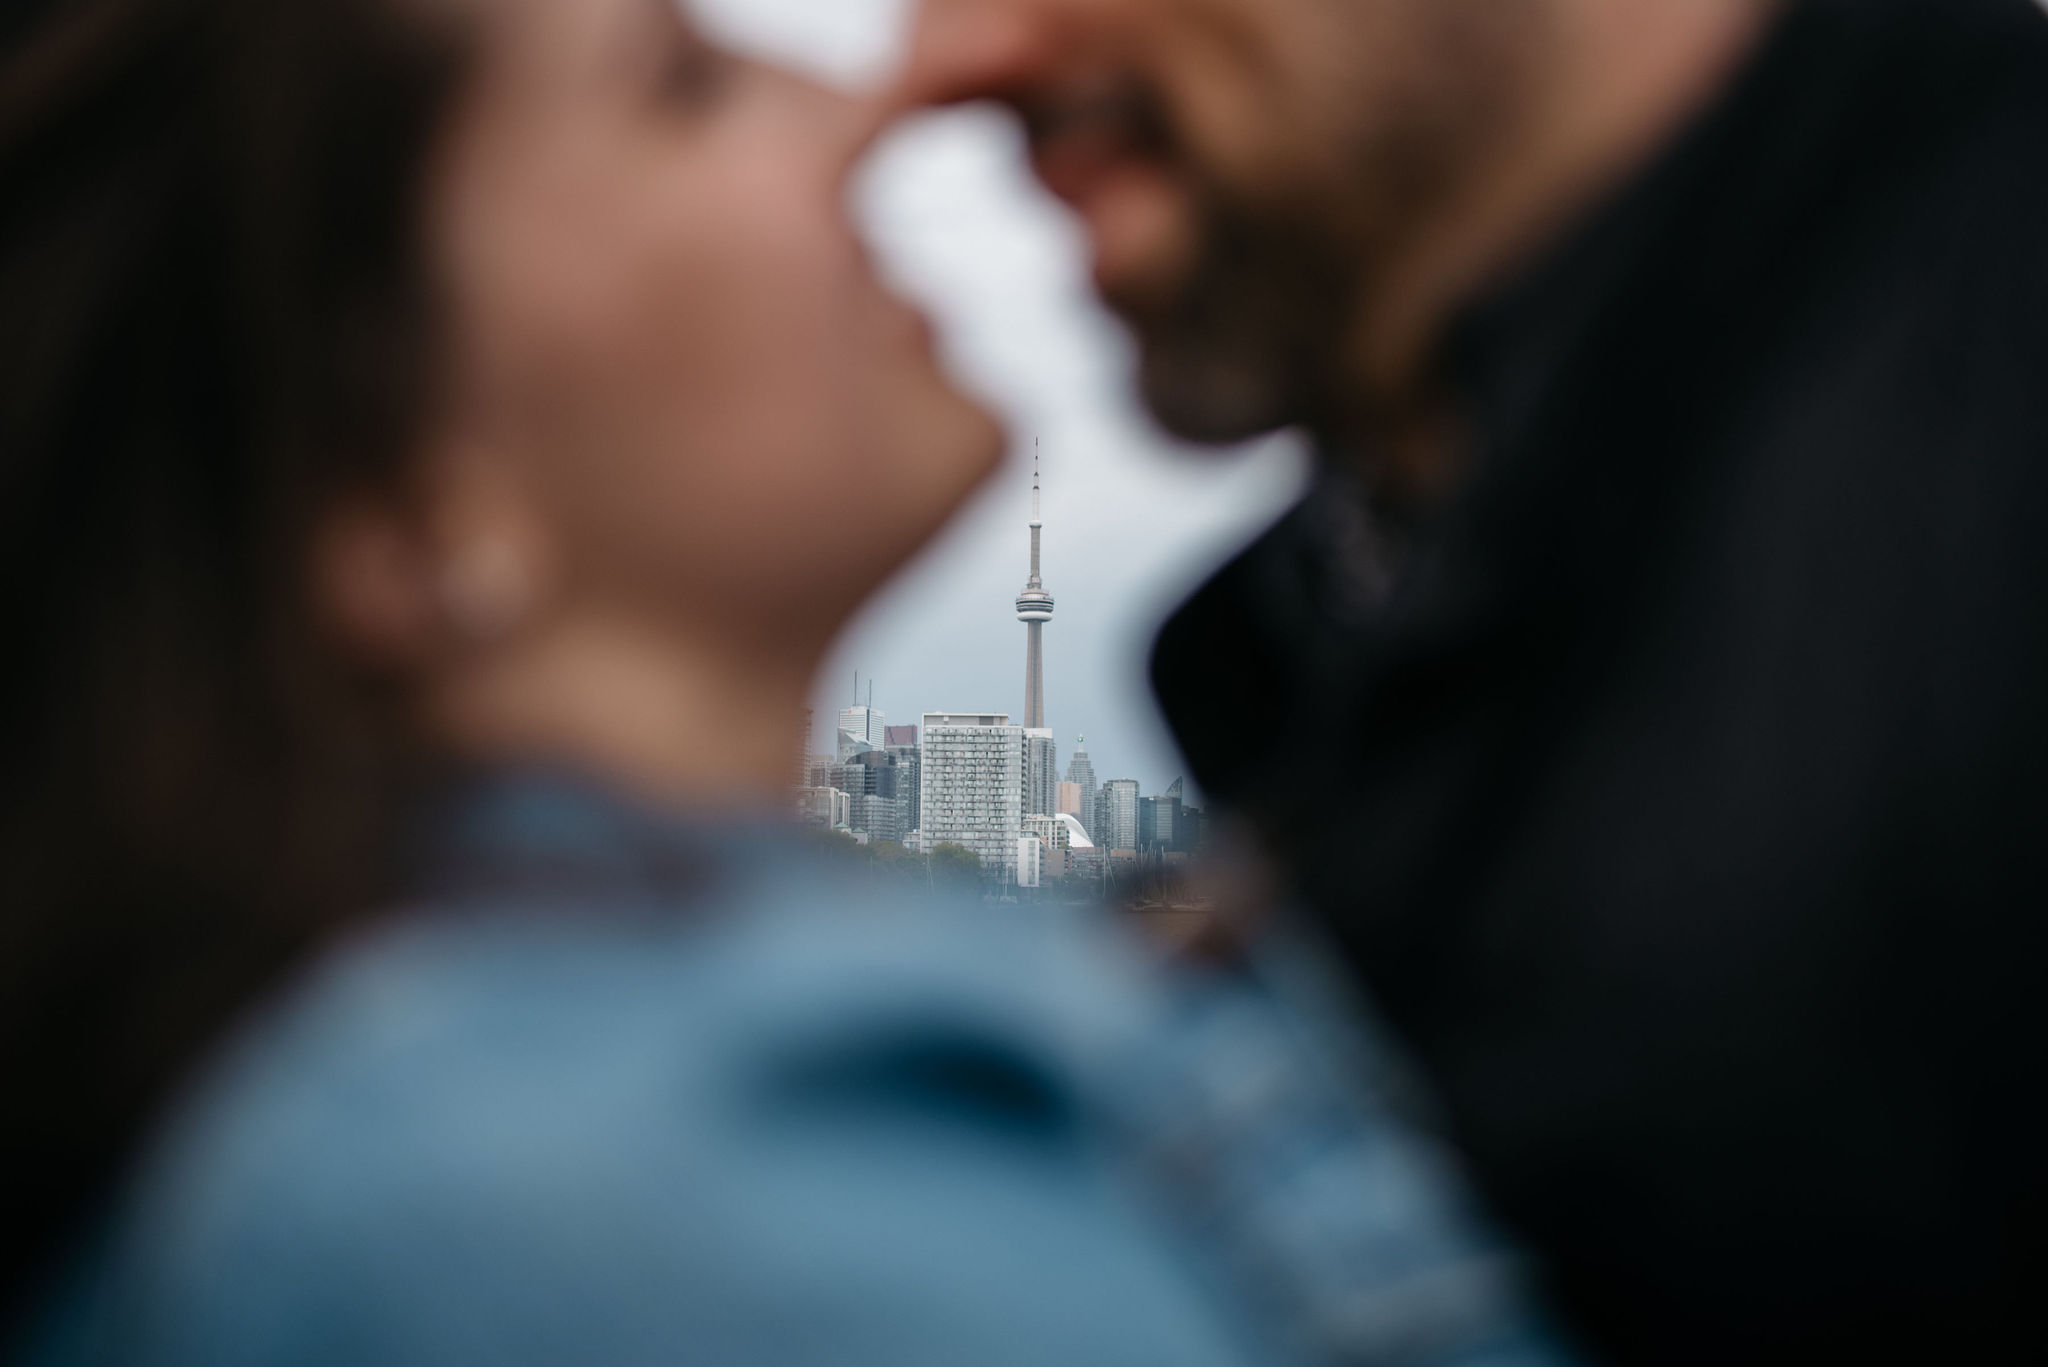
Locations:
966 781
864 726
960 653
979 781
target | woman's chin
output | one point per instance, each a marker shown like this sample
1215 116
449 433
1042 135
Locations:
962 440
985 438
959 450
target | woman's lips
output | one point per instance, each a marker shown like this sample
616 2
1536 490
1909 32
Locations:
907 325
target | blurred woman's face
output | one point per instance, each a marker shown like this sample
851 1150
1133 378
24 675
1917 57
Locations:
660 317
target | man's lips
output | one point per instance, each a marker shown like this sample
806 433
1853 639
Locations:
1126 193
1074 161
1078 132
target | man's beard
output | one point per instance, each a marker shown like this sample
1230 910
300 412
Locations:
1264 330
1250 341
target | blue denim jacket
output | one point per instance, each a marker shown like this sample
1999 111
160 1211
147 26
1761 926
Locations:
623 1089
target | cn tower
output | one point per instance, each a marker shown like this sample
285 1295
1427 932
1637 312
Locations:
1034 610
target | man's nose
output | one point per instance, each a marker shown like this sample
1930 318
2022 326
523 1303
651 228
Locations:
980 49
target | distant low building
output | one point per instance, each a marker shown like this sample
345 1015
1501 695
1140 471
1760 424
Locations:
1048 830
1076 854
1030 861
826 808
1076 836
1068 850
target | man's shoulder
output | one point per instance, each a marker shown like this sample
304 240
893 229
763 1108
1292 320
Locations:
1231 664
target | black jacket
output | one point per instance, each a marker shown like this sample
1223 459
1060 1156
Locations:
1683 796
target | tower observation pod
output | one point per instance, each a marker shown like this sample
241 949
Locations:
1034 610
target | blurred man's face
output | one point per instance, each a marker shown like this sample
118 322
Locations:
1243 167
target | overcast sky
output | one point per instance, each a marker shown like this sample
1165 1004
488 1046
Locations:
1132 521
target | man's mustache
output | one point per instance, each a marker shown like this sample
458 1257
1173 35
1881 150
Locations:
1125 113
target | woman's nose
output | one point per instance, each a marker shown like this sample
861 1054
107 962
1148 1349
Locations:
834 128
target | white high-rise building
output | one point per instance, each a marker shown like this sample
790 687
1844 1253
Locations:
971 786
860 728
1041 773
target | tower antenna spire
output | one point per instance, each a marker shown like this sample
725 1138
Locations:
1036 457
1034 607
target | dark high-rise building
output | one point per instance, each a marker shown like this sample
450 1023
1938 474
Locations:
909 761
880 787
1159 824
1041 773
898 737
1116 815
1166 824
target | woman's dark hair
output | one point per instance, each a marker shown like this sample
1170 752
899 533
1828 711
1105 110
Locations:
215 318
